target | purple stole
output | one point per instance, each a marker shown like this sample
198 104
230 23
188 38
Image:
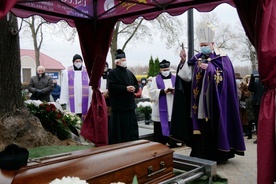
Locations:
197 90
163 107
85 89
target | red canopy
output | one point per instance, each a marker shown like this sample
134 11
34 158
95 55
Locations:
95 19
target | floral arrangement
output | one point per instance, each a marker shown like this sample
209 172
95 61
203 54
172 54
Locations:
72 118
54 119
145 107
68 180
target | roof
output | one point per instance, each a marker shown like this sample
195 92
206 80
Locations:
126 11
45 60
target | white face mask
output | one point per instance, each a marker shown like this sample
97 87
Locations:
124 64
78 65
165 73
149 83
105 68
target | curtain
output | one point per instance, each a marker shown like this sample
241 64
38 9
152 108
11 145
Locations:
5 6
95 39
259 21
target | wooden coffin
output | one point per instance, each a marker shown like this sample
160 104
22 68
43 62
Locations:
151 162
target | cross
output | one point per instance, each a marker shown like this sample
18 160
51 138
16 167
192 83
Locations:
218 76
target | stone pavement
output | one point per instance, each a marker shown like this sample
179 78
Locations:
238 170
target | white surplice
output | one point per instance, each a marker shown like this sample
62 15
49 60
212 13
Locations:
154 94
64 93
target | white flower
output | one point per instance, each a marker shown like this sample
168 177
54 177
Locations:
73 117
68 180
144 104
35 102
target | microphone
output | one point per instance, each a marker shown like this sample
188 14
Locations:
204 58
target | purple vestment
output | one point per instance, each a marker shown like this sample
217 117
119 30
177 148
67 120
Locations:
163 108
85 89
220 100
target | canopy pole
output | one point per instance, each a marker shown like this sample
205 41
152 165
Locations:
190 33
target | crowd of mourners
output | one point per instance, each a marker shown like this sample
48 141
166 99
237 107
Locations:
205 105
250 91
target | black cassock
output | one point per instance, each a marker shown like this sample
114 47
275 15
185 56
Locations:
123 126
181 129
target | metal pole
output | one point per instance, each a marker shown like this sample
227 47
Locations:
190 33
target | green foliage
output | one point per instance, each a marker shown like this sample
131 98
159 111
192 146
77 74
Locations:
144 107
156 66
54 120
24 95
151 67
53 150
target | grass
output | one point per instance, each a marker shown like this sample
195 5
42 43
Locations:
53 150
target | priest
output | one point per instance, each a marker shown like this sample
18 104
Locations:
216 127
75 91
161 92
122 84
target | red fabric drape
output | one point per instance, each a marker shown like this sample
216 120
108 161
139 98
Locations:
5 7
95 40
259 20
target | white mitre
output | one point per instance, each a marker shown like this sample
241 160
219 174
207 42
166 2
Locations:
205 33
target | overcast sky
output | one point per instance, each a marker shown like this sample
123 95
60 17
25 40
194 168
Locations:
137 54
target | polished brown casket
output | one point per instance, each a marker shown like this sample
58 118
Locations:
151 162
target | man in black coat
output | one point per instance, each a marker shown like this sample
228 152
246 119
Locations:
257 88
41 85
122 84
180 131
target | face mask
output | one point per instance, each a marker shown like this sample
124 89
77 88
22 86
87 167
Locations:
165 73
238 81
105 68
205 50
149 83
78 65
124 64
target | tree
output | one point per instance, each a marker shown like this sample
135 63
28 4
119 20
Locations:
17 124
169 29
37 27
156 67
245 51
151 67
35 24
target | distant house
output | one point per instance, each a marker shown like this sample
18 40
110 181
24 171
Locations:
28 65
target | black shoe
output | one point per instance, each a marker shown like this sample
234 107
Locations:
174 145
255 142
249 137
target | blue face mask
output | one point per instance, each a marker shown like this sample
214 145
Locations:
205 50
